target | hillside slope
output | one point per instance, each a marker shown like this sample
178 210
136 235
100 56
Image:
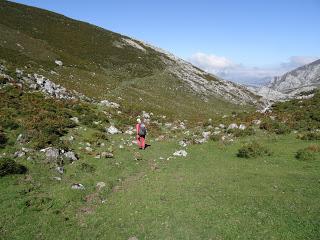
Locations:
106 65
304 78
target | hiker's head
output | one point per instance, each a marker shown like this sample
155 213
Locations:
138 120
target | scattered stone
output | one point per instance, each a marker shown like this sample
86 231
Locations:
75 120
100 185
133 238
107 103
71 138
222 126
113 130
130 131
180 153
77 186
256 122
182 143
233 126
20 139
60 170
57 178
52 154
19 154
160 138
29 159
106 155
206 135
58 62
71 156
242 127
88 149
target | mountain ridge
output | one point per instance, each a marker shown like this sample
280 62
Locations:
106 65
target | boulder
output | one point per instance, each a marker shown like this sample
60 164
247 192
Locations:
58 62
52 154
233 126
100 185
75 120
180 153
106 155
19 154
113 130
77 186
70 156
206 135
256 122
60 170
182 143
242 127
107 103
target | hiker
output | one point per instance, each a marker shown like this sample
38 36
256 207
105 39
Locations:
141 134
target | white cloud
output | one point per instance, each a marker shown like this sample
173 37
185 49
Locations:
211 62
228 69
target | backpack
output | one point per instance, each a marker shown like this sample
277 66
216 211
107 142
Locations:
142 130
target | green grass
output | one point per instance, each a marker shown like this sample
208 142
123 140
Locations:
210 194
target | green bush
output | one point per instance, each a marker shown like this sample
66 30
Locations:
305 155
88 168
310 136
215 138
252 150
275 126
242 133
9 166
3 139
3 80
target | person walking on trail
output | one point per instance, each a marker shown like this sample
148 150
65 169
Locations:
141 134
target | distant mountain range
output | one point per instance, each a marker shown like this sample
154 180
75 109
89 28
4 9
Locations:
291 84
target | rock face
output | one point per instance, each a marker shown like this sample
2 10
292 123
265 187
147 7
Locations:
202 82
289 85
304 78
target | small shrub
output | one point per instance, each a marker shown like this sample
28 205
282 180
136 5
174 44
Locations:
3 80
3 139
101 136
310 136
242 133
282 128
215 138
305 155
314 148
88 168
275 126
252 150
9 166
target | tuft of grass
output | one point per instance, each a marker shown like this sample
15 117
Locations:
305 154
253 150
9 166
3 139
310 136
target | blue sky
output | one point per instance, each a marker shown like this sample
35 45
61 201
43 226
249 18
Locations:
226 37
